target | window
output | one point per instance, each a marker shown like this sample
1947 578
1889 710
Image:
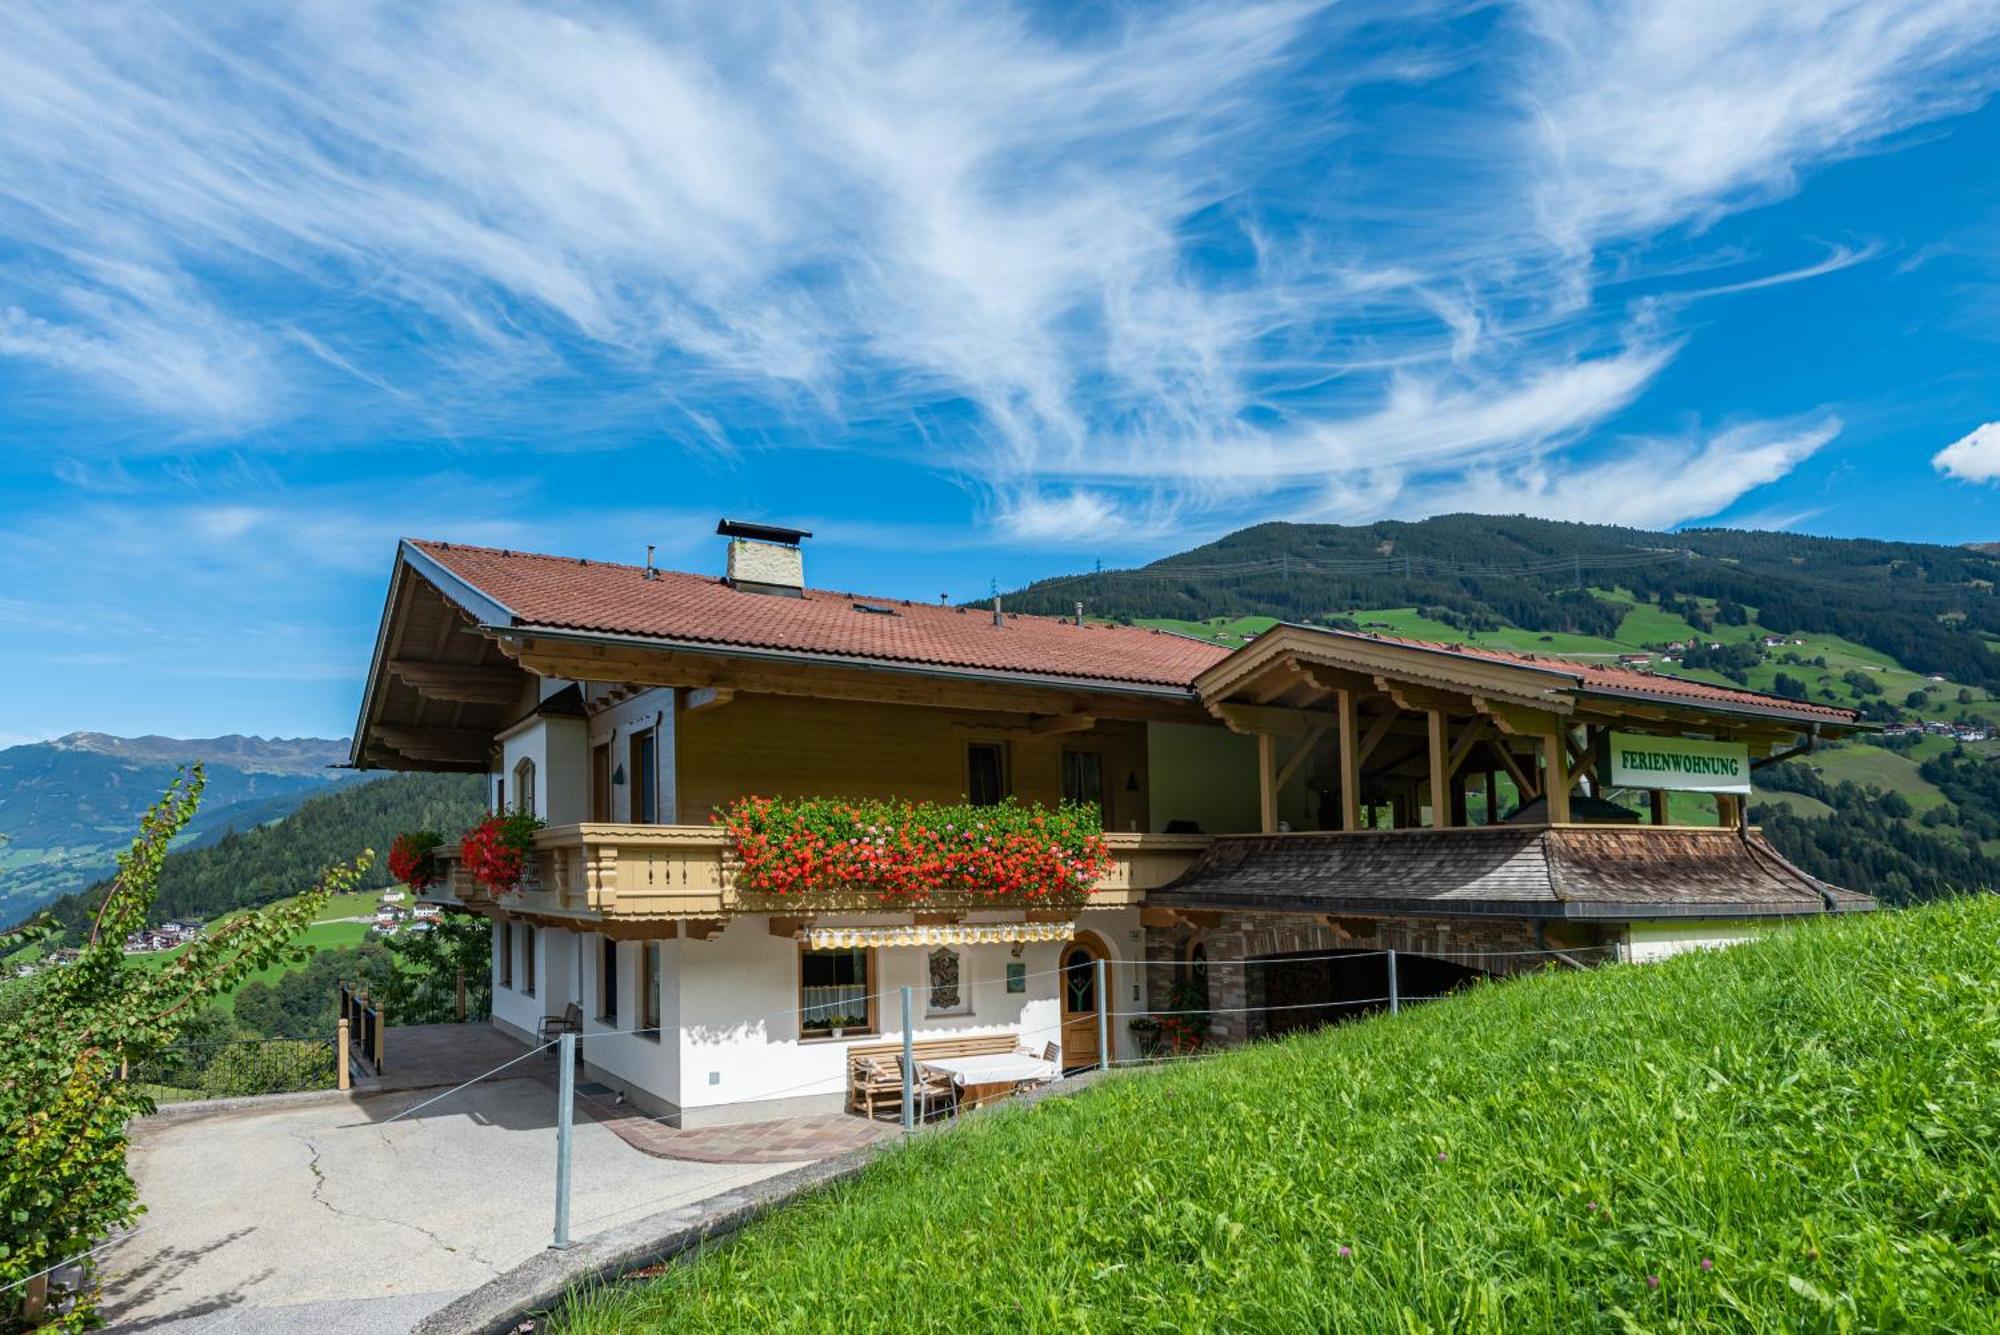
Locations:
499 796
1083 780
600 782
649 992
607 983
527 960
985 773
644 776
1079 981
948 994
503 947
833 992
524 787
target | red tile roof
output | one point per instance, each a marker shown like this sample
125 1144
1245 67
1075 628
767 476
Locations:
565 593
1626 681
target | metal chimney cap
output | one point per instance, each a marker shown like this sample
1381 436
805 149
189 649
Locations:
732 528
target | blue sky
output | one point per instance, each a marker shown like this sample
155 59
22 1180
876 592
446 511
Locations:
974 292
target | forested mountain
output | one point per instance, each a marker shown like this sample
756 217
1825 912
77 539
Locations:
68 806
1929 607
260 865
1902 632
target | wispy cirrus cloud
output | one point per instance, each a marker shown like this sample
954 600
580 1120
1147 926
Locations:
1123 273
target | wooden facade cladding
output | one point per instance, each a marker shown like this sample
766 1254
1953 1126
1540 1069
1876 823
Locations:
654 873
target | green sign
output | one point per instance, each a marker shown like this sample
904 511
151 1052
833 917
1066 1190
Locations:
1681 764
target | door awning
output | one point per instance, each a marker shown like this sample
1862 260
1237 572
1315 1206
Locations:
939 934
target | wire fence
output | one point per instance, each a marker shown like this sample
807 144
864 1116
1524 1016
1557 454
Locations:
235 1068
932 1073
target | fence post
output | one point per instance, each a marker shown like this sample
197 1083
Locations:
381 1039
1103 1019
565 1101
461 996
909 1064
1395 1002
340 1056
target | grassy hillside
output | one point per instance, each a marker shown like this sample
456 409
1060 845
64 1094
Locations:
1792 1135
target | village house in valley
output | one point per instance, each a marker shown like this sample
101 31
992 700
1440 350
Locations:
1268 811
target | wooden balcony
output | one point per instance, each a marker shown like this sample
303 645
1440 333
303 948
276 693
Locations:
649 872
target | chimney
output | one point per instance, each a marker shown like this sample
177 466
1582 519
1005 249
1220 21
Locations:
765 558
1079 614
999 617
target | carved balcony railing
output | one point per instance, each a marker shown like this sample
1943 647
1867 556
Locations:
674 871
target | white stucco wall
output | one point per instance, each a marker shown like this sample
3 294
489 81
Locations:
1646 941
512 1005
648 1062
739 1038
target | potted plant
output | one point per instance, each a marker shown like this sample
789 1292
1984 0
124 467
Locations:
412 858
495 852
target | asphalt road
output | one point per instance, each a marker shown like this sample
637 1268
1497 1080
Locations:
324 1217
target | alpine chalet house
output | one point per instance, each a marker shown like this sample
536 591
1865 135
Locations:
1266 811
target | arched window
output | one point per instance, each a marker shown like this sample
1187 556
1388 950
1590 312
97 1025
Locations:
524 787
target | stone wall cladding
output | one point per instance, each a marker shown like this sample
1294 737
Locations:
1489 945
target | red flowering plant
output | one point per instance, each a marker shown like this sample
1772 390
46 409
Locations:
412 858
495 852
918 852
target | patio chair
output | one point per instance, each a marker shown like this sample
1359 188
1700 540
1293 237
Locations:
872 1081
931 1088
554 1026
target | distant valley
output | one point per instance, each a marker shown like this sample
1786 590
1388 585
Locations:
69 806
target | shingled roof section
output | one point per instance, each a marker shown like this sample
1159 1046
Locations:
564 593
1609 872
1597 678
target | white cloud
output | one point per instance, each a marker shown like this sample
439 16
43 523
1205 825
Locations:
1973 457
806 220
1647 116
1644 482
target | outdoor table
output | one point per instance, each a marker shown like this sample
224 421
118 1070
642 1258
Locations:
982 1079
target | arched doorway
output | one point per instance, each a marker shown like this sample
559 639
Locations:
1081 1000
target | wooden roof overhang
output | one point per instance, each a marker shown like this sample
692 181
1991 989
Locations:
438 690
1287 680
452 668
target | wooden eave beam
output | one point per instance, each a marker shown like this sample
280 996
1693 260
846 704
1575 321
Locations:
1274 720
460 683
707 697
1518 722
576 661
1471 737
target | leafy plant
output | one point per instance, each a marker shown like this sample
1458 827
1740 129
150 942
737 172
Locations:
916 852
422 988
495 852
412 858
63 1107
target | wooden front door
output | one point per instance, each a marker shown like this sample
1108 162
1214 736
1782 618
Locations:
1080 1002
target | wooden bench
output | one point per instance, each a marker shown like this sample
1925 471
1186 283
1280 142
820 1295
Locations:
875 1070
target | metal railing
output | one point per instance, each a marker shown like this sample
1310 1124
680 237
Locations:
235 1068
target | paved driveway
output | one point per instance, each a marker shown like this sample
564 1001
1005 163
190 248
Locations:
321 1217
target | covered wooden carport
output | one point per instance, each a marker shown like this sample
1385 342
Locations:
1397 726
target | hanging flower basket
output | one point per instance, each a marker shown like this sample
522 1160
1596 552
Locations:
412 858
495 852
918 852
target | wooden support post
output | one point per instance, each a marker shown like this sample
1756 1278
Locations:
1350 763
1658 801
1492 797
1555 777
1267 782
341 1057
1440 767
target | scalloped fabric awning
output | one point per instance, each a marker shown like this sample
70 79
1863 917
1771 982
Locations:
939 934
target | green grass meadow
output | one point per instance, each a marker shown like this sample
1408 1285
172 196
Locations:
1797 1135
